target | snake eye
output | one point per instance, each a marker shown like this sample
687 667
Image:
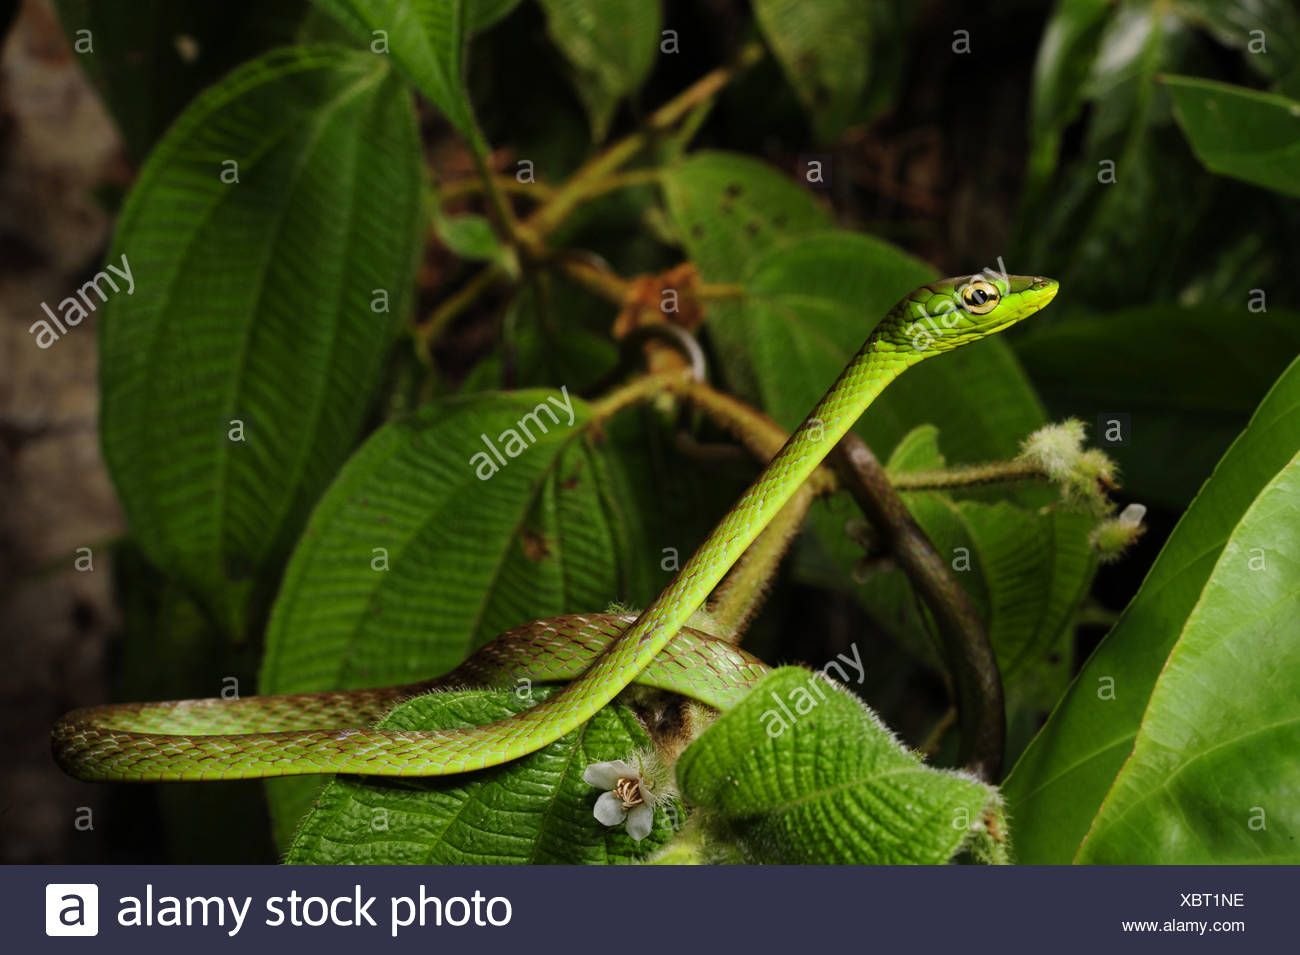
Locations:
979 298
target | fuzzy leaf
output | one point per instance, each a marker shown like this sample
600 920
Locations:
802 772
535 810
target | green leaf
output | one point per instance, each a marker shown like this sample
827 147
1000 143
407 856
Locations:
481 14
1213 773
426 41
611 45
1239 132
419 553
1057 787
728 209
1034 569
814 295
1186 405
535 810
800 771
472 237
251 315
824 49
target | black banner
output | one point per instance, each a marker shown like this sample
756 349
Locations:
142 909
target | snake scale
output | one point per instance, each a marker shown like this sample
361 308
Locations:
598 655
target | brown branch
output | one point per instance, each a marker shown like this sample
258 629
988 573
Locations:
974 668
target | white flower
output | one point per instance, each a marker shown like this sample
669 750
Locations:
627 797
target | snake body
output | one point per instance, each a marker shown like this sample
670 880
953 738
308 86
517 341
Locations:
599 654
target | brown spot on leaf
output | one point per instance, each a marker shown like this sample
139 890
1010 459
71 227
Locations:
571 482
536 547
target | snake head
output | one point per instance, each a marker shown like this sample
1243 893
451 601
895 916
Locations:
950 312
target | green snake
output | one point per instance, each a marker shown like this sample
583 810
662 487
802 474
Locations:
598 655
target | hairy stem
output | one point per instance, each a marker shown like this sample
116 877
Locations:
965 643
634 392
970 475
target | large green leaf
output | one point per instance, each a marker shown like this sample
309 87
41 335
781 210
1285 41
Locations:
1216 364
824 49
535 810
1213 775
727 210
466 557
611 45
813 296
238 371
412 559
426 40
800 771
1058 785
1239 132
